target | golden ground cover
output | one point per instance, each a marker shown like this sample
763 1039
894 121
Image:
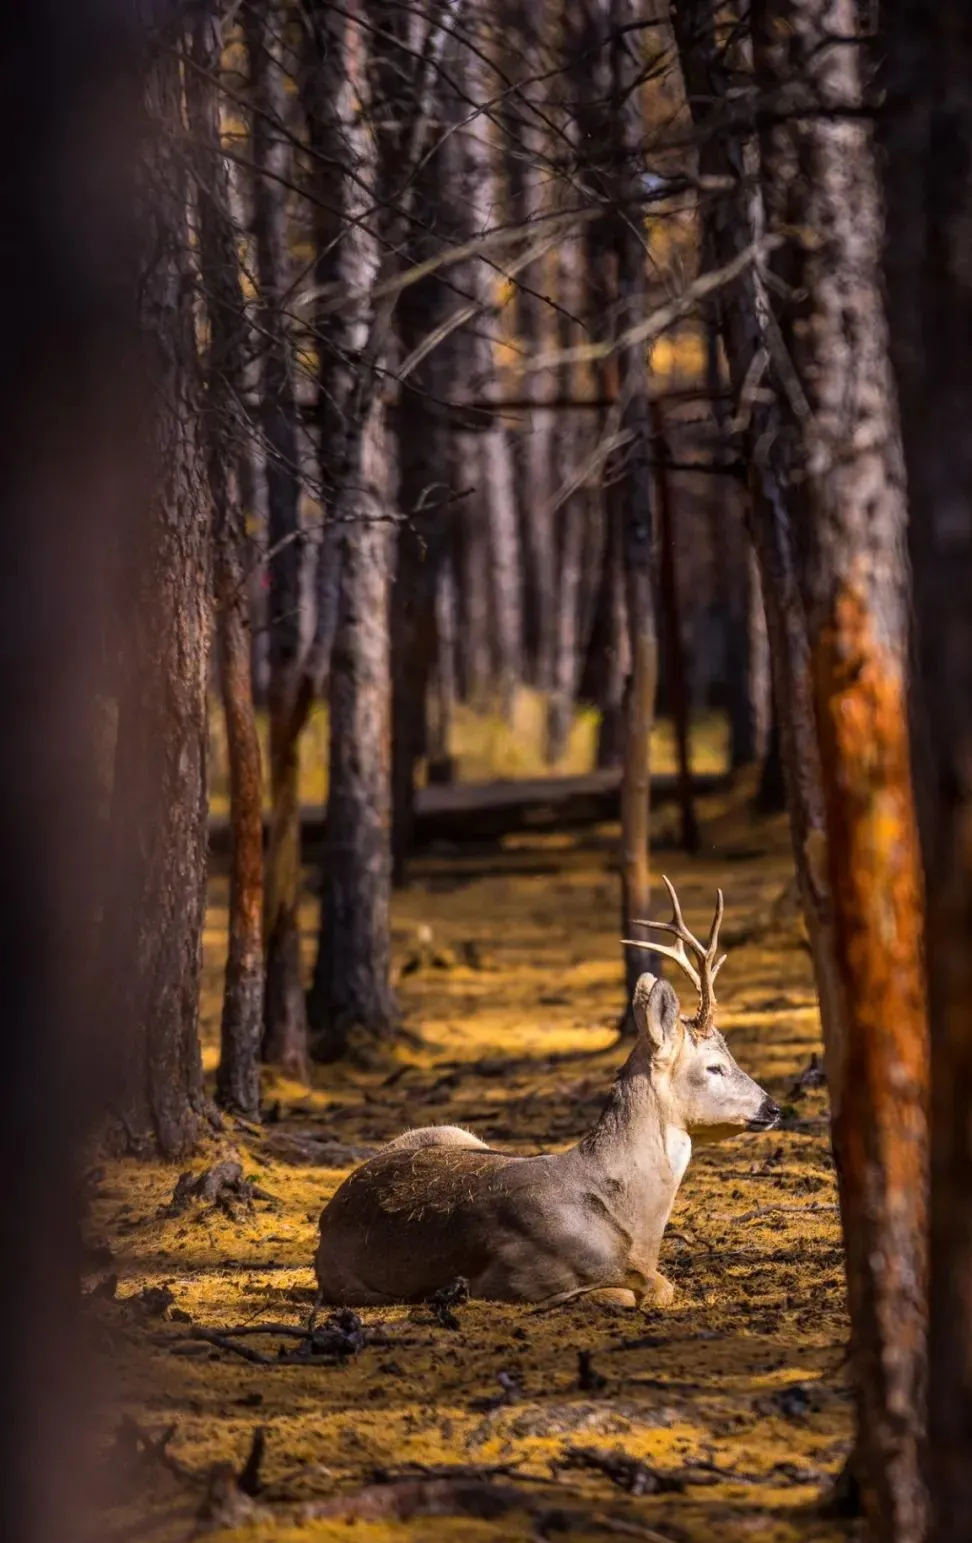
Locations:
736 1394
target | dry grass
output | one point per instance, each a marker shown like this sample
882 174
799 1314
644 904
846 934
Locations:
744 1371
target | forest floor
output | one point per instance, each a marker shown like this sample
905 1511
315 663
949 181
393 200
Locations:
722 1417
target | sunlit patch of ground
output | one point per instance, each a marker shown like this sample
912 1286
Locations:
739 1388
485 747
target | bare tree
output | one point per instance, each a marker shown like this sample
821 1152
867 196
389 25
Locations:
225 440
285 1017
927 128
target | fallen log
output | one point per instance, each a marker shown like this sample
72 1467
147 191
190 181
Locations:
486 811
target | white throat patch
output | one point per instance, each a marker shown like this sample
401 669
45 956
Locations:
678 1150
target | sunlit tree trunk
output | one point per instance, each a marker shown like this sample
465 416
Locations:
152 935
927 130
845 479
285 1018
224 429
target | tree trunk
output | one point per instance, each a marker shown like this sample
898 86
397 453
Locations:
845 482
927 140
672 615
771 791
738 597
633 490
537 332
285 1015
572 446
425 498
351 993
614 648
72 489
224 438
477 197
441 767
152 937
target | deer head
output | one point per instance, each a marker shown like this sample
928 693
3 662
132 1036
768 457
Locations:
706 1092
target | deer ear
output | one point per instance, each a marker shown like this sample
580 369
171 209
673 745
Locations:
656 1014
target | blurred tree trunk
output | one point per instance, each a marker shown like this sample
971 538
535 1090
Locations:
441 766
285 1015
224 439
927 129
71 487
845 480
152 935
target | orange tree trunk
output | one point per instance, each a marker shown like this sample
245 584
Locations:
928 141
844 477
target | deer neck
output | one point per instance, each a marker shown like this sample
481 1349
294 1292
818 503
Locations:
636 1152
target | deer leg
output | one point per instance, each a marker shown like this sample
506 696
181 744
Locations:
617 1296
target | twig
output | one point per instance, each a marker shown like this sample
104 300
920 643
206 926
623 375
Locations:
775 1210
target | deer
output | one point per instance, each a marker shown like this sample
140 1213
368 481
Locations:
437 1204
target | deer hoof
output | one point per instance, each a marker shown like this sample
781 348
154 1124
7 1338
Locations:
660 1293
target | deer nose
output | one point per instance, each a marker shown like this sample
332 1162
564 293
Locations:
767 1115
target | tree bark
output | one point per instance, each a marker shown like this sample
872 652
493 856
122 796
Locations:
846 486
152 936
224 439
285 1014
927 130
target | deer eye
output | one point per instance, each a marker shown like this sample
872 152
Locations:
716 1071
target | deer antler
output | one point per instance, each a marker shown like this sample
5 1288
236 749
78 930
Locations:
708 966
